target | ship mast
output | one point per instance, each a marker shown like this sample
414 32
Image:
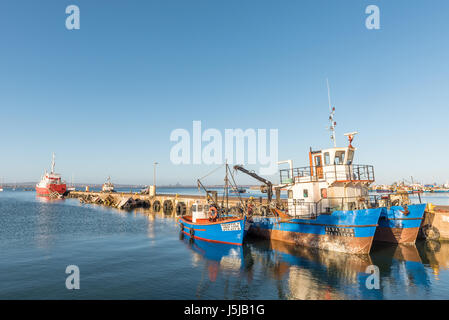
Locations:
332 123
53 163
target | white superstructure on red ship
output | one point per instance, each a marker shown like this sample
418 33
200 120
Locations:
51 183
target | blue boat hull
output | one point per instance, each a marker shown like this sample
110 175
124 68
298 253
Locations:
343 231
398 226
229 231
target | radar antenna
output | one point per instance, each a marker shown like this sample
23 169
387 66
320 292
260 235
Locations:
350 136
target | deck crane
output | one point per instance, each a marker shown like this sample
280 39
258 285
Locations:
268 184
273 207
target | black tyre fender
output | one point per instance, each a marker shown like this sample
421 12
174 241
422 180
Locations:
181 209
156 206
168 206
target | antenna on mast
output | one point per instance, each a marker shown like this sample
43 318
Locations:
331 115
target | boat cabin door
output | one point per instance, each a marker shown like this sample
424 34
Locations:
318 161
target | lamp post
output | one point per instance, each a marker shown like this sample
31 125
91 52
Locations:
154 173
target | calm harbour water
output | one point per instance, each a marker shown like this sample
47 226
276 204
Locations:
137 255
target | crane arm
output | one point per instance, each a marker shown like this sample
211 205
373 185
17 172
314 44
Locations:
257 177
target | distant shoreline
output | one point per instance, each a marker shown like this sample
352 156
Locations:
82 185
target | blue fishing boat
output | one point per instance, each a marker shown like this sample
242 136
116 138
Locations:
211 222
201 225
328 204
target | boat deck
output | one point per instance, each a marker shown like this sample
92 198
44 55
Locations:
207 221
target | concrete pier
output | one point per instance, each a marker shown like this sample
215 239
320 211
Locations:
169 204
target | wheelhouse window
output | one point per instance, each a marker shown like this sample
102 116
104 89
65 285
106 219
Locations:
350 157
327 159
305 193
339 157
194 207
290 194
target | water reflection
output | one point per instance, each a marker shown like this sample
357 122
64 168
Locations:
435 254
260 268
101 238
304 273
151 233
219 257
46 224
43 199
402 271
227 263
314 274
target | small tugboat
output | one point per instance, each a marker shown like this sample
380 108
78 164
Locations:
51 184
211 222
108 186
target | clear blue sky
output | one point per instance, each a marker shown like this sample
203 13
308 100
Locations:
106 97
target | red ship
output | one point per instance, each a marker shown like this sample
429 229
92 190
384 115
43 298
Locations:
51 183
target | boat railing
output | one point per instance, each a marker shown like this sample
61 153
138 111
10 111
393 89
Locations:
390 199
336 172
298 208
302 209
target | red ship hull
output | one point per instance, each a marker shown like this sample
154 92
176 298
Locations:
59 188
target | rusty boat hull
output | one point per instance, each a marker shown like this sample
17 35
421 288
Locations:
341 231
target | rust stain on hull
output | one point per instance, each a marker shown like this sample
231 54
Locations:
353 245
396 235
